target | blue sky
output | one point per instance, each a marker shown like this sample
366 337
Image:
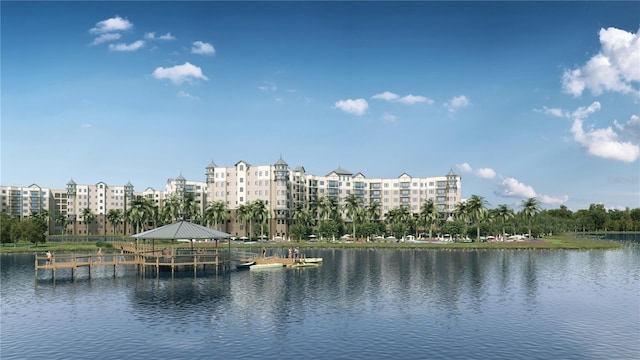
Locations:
521 99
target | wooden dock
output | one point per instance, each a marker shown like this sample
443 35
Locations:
143 257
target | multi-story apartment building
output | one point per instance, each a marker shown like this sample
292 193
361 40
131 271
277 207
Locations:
181 186
282 188
21 202
97 200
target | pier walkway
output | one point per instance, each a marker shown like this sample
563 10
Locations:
143 257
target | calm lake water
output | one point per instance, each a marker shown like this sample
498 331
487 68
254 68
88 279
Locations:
359 304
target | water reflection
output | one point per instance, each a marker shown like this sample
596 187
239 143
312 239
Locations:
496 304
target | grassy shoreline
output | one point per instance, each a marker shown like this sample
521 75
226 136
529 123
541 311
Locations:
567 242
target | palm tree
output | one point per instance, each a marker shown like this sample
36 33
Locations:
63 221
244 214
171 208
261 213
477 211
428 214
190 209
220 213
353 207
215 213
114 216
335 212
140 213
461 213
531 207
302 216
87 216
504 212
373 211
323 208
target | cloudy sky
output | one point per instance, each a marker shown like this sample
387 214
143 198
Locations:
521 99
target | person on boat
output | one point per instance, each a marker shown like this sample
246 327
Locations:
290 251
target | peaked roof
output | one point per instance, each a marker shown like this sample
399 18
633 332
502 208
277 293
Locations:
212 165
281 162
182 230
340 171
451 173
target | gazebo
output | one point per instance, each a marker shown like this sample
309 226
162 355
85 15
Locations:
182 230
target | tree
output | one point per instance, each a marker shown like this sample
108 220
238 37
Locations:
244 214
140 212
353 207
114 216
373 211
62 221
530 208
7 223
34 229
428 214
87 216
171 209
476 211
597 215
504 213
216 213
302 216
461 213
190 208
260 213
398 219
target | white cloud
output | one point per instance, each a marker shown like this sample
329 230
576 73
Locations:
457 103
511 187
127 47
631 129
106 38
110 25
202 48
412 99
186 95
408 99
179 73
152 36
356 107
464 167
553 200
166 36
615 67
387 95
553 112
485 173
268 86
389 118
604 142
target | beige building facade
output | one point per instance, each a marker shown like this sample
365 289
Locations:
281 187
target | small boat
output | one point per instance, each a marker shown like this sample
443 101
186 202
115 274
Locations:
245 265
304 264
266 266
312 260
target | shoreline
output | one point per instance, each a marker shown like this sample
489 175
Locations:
566 242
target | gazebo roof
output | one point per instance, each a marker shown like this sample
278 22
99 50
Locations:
182 230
